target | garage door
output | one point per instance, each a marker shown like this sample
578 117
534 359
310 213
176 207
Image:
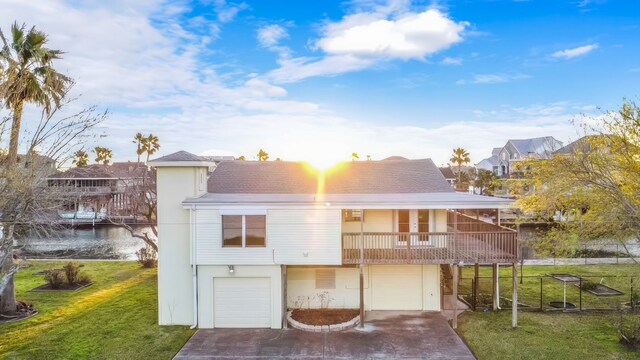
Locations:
396 287
242 302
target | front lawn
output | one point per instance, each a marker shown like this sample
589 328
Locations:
116 318
621 277
579 336
550 335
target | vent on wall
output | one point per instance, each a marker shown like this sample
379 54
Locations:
325 279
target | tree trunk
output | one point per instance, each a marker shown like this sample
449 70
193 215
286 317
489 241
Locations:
8 294
8 298
15 134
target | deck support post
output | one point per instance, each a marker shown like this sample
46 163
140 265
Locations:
285 323
514 302
361 295
476 281
454 321
495 296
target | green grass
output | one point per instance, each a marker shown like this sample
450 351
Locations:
616 276
116 318
579 336
549 335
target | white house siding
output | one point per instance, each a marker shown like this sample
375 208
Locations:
294 237
302 291
175 289
245 274
422 294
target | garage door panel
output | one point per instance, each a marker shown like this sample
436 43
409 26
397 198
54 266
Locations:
396 287
242 302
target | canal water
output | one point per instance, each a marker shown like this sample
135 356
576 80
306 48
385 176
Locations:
99 242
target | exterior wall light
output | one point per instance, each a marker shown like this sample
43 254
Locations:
231 269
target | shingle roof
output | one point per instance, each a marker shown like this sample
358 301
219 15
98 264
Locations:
356 177
582 144
447 172
179 156
116 170
493 160
541 145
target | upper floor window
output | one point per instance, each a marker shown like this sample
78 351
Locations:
350 215
244 230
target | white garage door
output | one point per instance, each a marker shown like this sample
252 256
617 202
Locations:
396 287
242 302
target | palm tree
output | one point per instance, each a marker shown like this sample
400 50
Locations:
151 145
28 76
263 155
354 156
103 155
139 139
460 157
81 158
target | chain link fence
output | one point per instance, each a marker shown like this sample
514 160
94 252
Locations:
555 292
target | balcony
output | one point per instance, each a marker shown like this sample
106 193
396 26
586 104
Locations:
468 240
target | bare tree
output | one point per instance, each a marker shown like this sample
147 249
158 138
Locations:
27 205
139 192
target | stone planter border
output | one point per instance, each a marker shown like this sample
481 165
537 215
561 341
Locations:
324 328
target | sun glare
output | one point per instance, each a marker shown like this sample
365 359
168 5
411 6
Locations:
323 164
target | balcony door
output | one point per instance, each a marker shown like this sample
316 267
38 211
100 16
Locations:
415 222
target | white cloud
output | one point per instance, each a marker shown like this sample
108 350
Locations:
451 61
407 36
492 78
363 39
271 35
575 52
228 11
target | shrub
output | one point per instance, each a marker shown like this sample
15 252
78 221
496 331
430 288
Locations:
83 278
71 271
629 331
589 285
55 278
147 257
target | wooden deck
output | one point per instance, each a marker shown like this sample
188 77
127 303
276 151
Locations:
430 248
468 239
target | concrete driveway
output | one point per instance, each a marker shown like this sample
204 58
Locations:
387 335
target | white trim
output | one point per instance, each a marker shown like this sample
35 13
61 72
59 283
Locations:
181 163
228 211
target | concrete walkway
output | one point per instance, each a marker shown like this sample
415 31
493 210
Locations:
387 335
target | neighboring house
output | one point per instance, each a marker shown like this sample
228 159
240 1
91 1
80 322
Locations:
448 174
503 160
240 245
96 191
581 145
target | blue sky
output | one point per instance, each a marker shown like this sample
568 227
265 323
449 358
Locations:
322 79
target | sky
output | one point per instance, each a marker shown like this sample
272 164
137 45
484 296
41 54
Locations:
308 80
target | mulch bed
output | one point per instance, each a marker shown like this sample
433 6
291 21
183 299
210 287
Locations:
75 287
324 316
25 311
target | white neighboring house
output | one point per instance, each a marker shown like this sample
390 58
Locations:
241 242
502 160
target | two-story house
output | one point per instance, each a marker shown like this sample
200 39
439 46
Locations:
99 190
503 161
241 244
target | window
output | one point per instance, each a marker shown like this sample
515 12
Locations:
325 279
244 230
351 215
404 222
255 230
423 221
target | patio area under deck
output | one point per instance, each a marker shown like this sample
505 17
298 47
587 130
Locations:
468 240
